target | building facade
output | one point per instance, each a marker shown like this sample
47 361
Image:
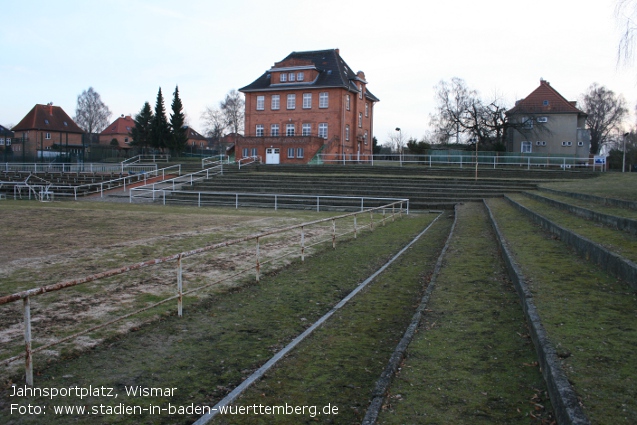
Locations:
308 103
118 134
47 132
546 123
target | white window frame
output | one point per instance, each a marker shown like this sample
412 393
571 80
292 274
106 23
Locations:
245 152
324 99
322 130
283 77
47 136
360 120
366 109
526 147
347 102
290 130
306 129
275 103
254 152
291 101
307 100
300 152
347 132
260 103
290 152
259 130
300 76
291 77
274 130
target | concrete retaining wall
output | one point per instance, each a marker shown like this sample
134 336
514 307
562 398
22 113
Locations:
563 397
606 201
621 223
612 263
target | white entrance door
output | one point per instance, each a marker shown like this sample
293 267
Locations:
272 156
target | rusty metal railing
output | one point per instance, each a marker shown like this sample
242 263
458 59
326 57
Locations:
394 209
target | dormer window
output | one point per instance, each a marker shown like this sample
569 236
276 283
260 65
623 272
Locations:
283 77
46 122
66 124
545 103
300 76
291 76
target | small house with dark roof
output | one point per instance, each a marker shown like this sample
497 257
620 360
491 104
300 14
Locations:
308 103
195 142
47 131
118 134
546 123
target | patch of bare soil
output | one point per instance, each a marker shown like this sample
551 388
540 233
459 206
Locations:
61 256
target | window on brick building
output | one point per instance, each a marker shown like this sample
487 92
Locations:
291 76
306 130
300 76
274 130
300 152
360 119
283 77
366 109
290 152
291 101
260 131
347 132
245 152
307 100
322 130
289 129
275 104
324 99
347 102
260 103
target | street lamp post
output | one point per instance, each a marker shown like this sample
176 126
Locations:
399 145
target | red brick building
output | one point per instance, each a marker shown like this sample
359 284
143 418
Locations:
308 103
47 131
118 131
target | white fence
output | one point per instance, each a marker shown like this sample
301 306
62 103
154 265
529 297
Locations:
289 234
459 159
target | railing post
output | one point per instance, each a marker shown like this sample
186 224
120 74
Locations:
164 193
384 216
28 359
318 209
333 234
362 204
179 287
199 199
393 212
258 268
371 220
302 243
236 201
355 227
275 202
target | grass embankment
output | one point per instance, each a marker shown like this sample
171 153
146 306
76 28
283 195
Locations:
589 316
222 340
607 185
472 361
339 364
593 206
621 243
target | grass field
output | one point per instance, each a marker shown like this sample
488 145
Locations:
471 360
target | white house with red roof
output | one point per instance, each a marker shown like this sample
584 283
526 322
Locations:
546 123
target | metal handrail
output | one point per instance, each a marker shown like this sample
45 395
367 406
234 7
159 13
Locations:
396 208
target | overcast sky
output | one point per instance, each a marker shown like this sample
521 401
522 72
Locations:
50 51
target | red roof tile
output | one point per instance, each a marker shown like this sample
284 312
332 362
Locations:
544 100
48 118
122 125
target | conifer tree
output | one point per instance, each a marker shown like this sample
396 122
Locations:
160 130
141 132
177 120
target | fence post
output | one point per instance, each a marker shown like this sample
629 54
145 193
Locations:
302 243
28 359
199 199
383 216
275 202
393 212
355 228
362 204
164 193
179 287
318 209
333 234
371 220
236 201
258 268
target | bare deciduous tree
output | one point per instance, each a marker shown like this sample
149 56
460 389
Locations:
233 109
462 115
606 113
626 15
91 114
215 123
